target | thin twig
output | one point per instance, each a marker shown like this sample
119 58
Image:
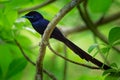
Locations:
65 64
80 64
106 20
36 7
86 18
23 53
47 33
98 48
49 74
109 19
29 60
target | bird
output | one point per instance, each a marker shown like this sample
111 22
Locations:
39 23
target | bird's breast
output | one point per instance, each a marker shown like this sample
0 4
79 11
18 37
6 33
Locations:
39 26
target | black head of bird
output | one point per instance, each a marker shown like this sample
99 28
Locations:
33 16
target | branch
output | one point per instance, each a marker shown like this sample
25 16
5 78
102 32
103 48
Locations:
23 53
89 23
80 64
49 74
36 7
109 19
106 20
29 60
47 33
92 26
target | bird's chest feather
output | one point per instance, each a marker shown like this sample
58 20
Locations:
40 26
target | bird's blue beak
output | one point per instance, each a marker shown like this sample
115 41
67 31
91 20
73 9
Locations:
27 16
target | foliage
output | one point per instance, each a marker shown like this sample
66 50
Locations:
99 4
15 67
112 74
113 39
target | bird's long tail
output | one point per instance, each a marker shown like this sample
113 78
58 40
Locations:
83 54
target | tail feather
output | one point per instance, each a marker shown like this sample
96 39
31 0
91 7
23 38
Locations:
83 54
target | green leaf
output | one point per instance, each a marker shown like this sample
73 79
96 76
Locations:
95 53
109 71
5 54
17 3
1 73
7 19
16 66
114 35
4 1
11 16
23 40
99 5
113 76
114 65
116 43
92 47
105 50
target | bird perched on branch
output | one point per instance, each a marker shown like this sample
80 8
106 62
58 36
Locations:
39 24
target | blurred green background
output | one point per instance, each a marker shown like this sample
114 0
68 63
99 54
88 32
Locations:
13 65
